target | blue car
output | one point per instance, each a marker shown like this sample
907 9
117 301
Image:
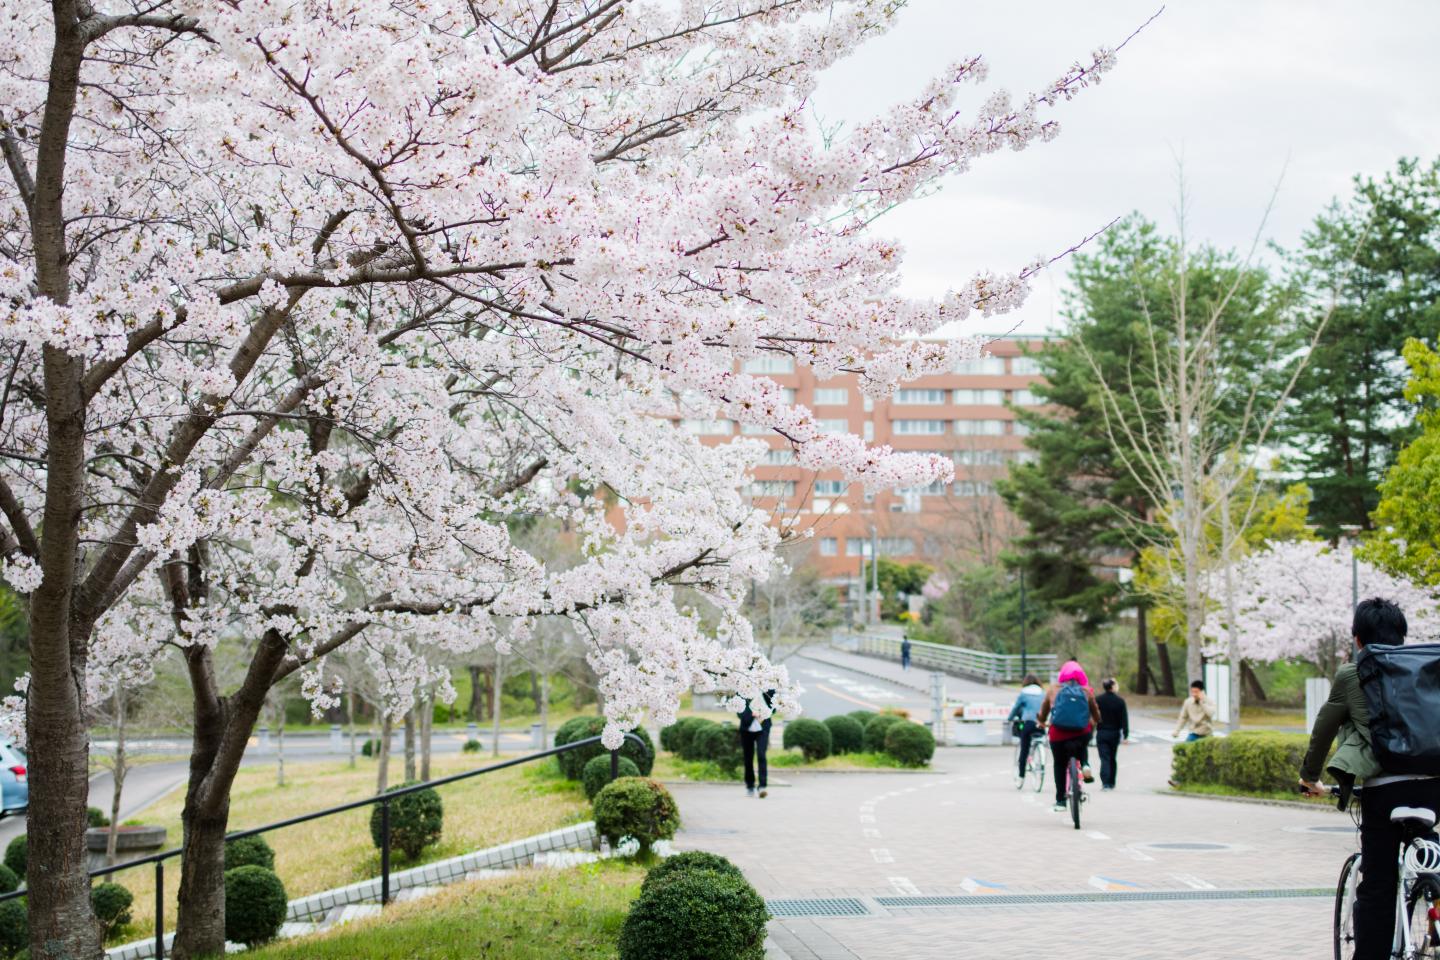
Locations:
14 785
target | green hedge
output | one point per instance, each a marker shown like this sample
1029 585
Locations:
572 764
688 860
910 743
696 914
416 821
847 735
14 927
810 737
1257 761
876 730
684 736
249 852
255 905
16 855
111 903
718 743
636 807
597 773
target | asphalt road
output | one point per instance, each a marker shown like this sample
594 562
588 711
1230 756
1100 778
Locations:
828 690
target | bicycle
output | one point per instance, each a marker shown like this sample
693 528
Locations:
1074 789
1034 765
1417 895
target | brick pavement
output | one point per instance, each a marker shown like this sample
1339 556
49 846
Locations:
964 830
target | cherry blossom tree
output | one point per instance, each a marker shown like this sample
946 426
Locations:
304 303
1294 602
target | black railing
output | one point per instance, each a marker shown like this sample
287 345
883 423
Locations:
383 799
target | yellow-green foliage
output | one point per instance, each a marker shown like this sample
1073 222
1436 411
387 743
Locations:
1407 540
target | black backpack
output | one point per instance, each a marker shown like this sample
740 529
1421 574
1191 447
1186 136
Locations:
1402 694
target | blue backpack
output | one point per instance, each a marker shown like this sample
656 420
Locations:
1071 709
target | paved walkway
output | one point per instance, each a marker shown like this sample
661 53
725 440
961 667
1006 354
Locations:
1017 876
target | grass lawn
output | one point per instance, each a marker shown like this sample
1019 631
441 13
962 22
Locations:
534 915
670 767
1219 790
481 812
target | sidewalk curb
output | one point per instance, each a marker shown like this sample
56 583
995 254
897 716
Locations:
864 673
773 950
1262 801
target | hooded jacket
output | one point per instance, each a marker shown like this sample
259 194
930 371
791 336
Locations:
1027 705
1071 671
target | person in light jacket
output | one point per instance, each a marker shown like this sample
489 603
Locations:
1024 713
1197 713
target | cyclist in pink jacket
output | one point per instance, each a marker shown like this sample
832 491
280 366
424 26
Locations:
1071 725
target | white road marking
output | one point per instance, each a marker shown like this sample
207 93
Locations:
1192 881
866 818
1096 835
882 855
870 833
903 886
1138 854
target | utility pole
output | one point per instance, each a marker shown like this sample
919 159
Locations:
875 571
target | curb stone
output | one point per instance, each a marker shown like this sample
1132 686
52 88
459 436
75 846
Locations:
1263 801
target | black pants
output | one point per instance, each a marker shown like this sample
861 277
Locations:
1379 866
755 745
1108 743
1027 737
1061 751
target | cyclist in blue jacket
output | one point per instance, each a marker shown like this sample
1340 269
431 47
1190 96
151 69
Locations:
1024 713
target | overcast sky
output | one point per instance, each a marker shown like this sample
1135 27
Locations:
1319 90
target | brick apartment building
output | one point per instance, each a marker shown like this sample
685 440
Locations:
966 415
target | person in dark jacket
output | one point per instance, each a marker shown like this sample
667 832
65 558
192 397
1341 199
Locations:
1114 728
1347 715
905 653
755 740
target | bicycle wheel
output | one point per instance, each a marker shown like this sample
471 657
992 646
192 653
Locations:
1037 766
1072 774
1424 899
1345 908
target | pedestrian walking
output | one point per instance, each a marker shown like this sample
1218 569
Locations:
755 741
905 653
1070 708
1197 712
1113 730
1024 715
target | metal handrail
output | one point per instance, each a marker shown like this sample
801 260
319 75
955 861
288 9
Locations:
383 799
980 664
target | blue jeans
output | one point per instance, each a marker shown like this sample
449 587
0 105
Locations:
1196 736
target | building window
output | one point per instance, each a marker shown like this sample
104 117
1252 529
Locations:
753 429
869 430
773 488
1020 429
982 365
896 546
991 398
867 403
974 488
857 547
935 489
770 363
779 458
708 428
1024 398
830 488
913 427
980 458
919 396
832 397
1027 456
788 393
829 546
1024 365
980 428
833 426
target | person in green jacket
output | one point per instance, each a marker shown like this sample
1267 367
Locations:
1346 717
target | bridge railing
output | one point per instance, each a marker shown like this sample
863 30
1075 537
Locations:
960 661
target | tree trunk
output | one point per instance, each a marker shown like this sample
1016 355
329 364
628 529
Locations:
545 708
280 746
117 776
350 722
535 690
200 931
1252 682
1167 672
382 773
495 707
1142 642
410 719
477 695
427 723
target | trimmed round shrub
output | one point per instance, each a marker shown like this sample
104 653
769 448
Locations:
95 817
667 735
636 807
720 745
111 903
876 730
810 737
696 915
572 764
597 773
255 905
846 734
416 820
370 748
8 880
689 860
471 746
642 757
910 743
862 717
249 852
16 855
689 733
14 927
